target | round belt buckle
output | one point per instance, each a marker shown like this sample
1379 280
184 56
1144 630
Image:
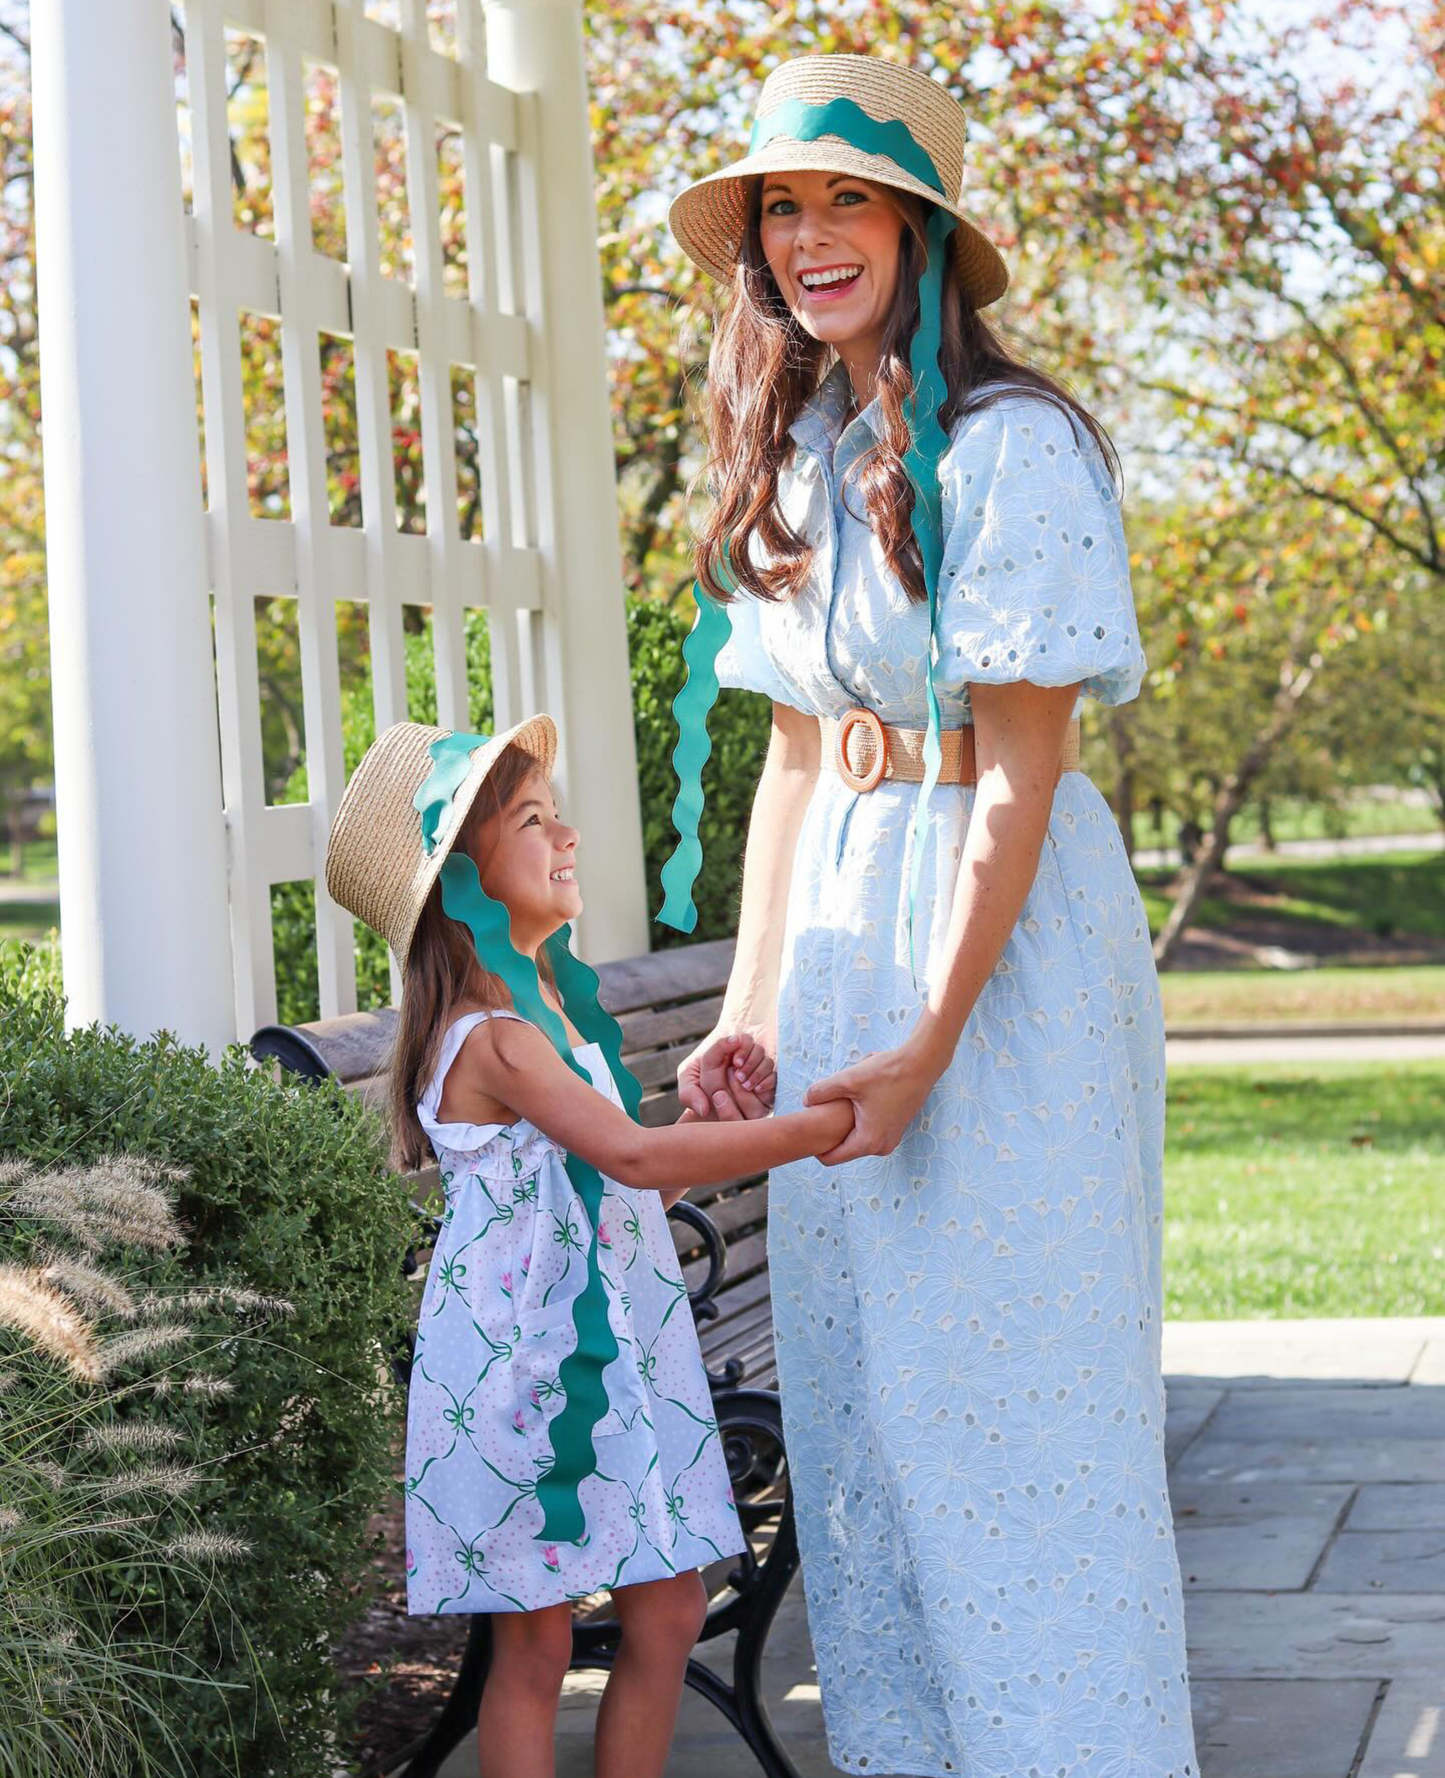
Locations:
862 718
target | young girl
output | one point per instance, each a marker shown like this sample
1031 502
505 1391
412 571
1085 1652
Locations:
560 1437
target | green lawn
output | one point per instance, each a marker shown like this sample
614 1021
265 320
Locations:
1291 1191
1201 997
28 919
1389 893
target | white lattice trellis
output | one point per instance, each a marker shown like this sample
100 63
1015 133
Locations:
168 853
496 330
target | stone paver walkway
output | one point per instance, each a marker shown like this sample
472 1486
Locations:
1307 1475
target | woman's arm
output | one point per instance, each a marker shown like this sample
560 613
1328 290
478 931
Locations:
512 1062
750 1004
1019 734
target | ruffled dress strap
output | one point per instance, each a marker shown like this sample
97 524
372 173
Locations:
461 1138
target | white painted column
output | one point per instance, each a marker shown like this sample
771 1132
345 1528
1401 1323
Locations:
535 46
138 784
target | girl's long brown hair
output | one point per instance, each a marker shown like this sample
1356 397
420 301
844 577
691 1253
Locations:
442 970
764 366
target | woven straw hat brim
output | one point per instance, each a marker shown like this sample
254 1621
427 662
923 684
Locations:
708 219
375 865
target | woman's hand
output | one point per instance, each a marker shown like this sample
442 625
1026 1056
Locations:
887 1089
731 1074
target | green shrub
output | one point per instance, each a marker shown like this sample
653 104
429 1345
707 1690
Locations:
655 634
285 1186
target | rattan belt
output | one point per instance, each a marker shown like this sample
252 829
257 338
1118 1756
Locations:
864 751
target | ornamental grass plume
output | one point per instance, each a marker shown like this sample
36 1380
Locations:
99 1502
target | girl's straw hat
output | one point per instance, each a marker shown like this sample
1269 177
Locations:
377 866
844 114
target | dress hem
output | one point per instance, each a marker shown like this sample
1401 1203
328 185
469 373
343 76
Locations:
582 1591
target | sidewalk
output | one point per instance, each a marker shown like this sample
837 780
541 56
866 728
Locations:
1307 1476
1354 846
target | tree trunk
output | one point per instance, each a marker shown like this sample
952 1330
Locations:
1121 733
1266 831
1284 706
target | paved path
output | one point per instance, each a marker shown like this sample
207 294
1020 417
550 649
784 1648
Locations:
1355 846
1307 1476
1365 1046
13 889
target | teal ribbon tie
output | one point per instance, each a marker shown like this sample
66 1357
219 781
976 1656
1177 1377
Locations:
570 1432
451 761
926 451
890 137
691 708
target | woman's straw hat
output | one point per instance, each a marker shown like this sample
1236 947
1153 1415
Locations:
709 218
376 864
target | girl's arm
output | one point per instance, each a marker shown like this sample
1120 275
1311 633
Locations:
750 1005
513 1062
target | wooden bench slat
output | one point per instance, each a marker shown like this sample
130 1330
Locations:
634 983
643 1031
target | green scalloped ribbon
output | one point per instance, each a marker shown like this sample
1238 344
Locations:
929 443
846 119
451 761
892 139
574 1456
577 983
691 708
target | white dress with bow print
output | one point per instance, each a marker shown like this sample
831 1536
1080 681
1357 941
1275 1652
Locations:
494 1328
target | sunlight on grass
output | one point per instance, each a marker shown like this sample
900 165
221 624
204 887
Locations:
1296 1191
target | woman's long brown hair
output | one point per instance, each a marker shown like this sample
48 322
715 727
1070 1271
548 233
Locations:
442 970
764 366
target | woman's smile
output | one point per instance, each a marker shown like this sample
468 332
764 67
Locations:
831 243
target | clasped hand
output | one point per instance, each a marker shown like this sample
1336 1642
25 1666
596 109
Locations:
733 1075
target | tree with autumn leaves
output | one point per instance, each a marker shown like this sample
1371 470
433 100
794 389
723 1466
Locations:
1224 234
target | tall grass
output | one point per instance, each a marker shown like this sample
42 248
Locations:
95 1501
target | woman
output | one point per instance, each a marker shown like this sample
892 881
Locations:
938 915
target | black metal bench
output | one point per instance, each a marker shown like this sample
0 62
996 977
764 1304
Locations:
664 1002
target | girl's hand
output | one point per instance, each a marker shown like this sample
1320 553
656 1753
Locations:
730 1074
887 1090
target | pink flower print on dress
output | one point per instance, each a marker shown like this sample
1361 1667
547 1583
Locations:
519 1425
507 1285
526 1265
549 1558
534 1398
603 1238
410 1563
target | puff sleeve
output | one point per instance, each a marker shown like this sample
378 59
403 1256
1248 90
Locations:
1034 582
743 662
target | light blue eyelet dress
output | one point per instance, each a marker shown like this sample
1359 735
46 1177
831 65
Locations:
968 1329
494 1327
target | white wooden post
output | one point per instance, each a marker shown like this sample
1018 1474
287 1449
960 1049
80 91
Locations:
535 46
138 785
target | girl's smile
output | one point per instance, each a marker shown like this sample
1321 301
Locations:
528 860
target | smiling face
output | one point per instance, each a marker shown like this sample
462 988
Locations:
526 857
831 242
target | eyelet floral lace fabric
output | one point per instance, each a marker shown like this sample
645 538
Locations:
968 1328
494 1327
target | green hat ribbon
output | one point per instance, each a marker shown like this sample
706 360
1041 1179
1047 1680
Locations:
892 139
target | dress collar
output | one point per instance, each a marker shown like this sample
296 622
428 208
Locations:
819 423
